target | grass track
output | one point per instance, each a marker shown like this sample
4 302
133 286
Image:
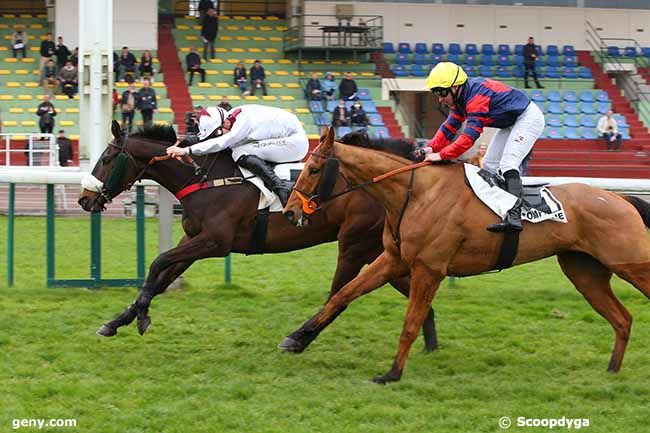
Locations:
519 343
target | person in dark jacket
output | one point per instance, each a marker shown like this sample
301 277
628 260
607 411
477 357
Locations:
341 116
209 30
146 65
258 76
358 116
313 90
129 103
147 102
62 53
47 51
74 57
65 149
530 57
125 64
204 6
239 78
50 80
69 78
19 42
193 62
348 87
46 113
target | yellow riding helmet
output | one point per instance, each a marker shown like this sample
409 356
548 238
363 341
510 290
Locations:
444 75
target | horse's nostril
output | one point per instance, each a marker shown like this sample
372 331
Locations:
289 215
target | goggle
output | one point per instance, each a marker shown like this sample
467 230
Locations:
441 92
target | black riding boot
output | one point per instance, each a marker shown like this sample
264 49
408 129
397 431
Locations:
512 221
259 168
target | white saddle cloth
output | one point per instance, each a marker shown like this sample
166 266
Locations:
267 197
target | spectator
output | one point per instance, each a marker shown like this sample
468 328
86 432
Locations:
530 57
46 113
65 149
608 130
125 64
348 87
204 6
129 103
47 51
239 78
313 90
49 74
209 30
358 117
192 120
341 117
257 77
225 104
147 101
146 65
329 86
193 62
116 101
477 158
74 57
68 78
61 52
19 42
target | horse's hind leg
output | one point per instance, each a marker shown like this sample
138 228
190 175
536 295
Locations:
429 326
591 278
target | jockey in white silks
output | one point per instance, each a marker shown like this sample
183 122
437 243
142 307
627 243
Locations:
256 134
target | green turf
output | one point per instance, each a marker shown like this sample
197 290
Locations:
519 343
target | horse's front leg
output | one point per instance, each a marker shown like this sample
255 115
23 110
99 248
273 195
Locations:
162 272
384 269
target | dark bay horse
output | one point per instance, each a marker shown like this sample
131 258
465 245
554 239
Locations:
443 233
220 220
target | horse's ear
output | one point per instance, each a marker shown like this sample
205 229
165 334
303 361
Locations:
329 137
116 130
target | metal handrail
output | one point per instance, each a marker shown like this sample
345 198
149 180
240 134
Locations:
33 151
368 29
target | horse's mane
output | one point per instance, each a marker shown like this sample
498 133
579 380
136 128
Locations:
397 146
164 133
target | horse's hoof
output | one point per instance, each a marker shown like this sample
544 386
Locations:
380 380
391 376
106 331
291 345
143 325
430 347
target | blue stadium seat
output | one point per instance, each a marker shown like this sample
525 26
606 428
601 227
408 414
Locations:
518 71
519 60
552 72
570 61
471 49
568 50
364 95
602 96
316 106
519 50
368 107
419 59
454 48
404 48
436 58
613 51
421 48
553 61
555 108
471 59
584 73
569 73
537 95
571 133
587 108
554 96
552 50
470 70
570 96
587 121
453 58
588 133
437 48
487 49
485 71
504 50
348 105
375 120
389 48
381 132
342 130
400 71
620 120
625 133
554 121
571 120
587 96
321 119
630 52
487 60
503 72
603 107
419 70
554 133
331 105
645 51
540 51
402 59
571 108
504 60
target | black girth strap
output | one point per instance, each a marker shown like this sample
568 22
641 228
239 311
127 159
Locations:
409 193
258 240
508 252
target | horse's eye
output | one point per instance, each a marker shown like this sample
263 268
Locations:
313 170
106 159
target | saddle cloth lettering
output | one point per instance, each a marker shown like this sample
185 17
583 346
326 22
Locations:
539 203
267 197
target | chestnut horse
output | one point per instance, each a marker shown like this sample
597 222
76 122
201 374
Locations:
443 232
221 220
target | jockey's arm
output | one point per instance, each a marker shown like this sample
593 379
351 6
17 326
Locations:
446 132
477 117
238 134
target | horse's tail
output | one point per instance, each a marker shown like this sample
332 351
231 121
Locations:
642 206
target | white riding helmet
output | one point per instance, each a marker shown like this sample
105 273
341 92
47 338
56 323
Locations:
210 120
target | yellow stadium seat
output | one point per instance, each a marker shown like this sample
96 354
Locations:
237 50
165 110
8 16
158 84
122 84
3 48
205 85
272 18
225 38
11 60
211 72
216 61
296 73
191 38
285 61
238 18
36 26
367 74
9 123
319 62
225 17
21 72
254 50
282 28
282 73
16 110
335 62
259 38
214 97
233 61
235 98
161 122
353 62
61 97
256 18
266 28
25 97
269 98
34 49
222 85
271 50
287 98
4 72
275 85
242 38
275 39
31 84
302 111
28 60
4 26
74 137
289 110
28 123
233 28
41 16
293 85
198 97
196 27
66 123
6 97
251 98
182 27
251 28
25 15
313 136
72 110
220 50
